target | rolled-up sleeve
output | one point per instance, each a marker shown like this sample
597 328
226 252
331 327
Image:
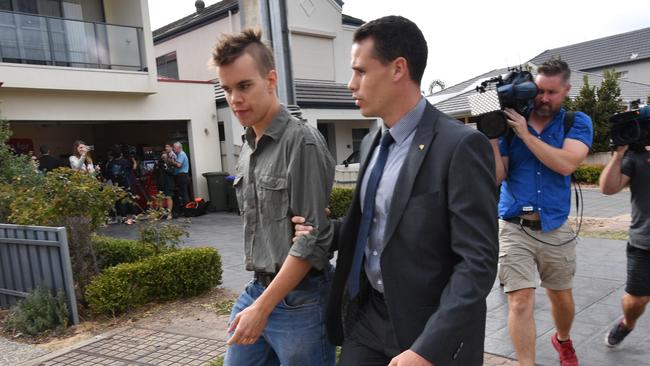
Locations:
311 175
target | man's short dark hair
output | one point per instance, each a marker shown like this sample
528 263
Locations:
555 66
395 36
232 46
116 150
44 149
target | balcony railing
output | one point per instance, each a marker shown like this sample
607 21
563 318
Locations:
43 40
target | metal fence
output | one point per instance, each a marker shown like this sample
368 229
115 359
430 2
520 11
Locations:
31 256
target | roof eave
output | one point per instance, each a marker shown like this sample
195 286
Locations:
185 28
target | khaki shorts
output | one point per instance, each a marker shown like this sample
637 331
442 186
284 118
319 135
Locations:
520 254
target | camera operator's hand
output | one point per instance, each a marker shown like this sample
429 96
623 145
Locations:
517 122
620 151
612 180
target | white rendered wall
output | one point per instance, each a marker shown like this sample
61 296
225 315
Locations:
194 49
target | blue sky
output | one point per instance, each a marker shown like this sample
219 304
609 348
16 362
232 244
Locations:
467 38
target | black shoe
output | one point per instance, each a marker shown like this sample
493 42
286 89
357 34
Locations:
617 334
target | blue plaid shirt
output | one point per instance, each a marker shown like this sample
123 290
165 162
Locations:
532 187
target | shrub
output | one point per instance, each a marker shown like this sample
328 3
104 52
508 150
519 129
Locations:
182 273
38 312
154 230
216 362
340 201
16 172
113 251
588 174
72 199
7 193
14 167
65 193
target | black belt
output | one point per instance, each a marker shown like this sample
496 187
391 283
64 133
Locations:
265 278
531 224
374 293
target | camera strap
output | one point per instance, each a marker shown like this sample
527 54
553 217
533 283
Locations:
569 119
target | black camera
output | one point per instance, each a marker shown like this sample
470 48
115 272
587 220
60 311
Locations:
630 128
515 90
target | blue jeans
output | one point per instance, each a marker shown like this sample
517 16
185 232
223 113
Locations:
295 334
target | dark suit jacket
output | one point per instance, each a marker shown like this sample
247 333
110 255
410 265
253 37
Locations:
441 245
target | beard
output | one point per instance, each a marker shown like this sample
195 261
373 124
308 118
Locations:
545 110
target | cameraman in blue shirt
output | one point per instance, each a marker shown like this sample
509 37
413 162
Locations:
534 169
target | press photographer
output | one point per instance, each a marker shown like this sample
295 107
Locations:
630 165
534 167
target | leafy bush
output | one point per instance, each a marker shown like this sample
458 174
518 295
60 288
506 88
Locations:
72 199
162 236
216 362
113 251
156 231
340 201
7 193
65 193
182 273
16 172
588 173
14 167
38 312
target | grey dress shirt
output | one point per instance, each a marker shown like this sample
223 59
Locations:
403 132
288 172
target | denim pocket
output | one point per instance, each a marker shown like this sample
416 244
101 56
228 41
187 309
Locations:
298 299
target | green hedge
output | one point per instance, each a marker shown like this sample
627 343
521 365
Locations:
113 251
588 173
340 201
182 273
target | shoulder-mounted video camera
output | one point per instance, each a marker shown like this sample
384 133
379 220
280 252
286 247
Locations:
631 127
515 90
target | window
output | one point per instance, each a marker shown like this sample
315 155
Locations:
312 57
93 10
167 65
357 137
621 74
5 5
28 6
222 132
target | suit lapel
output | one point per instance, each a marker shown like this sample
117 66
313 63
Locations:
424 136
367 146
365 153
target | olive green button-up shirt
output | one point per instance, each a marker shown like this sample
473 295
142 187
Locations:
289 172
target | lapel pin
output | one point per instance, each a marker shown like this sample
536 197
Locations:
421 147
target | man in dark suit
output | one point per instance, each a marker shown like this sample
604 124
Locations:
417 250
47 162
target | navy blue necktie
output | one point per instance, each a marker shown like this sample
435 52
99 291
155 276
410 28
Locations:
368 212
